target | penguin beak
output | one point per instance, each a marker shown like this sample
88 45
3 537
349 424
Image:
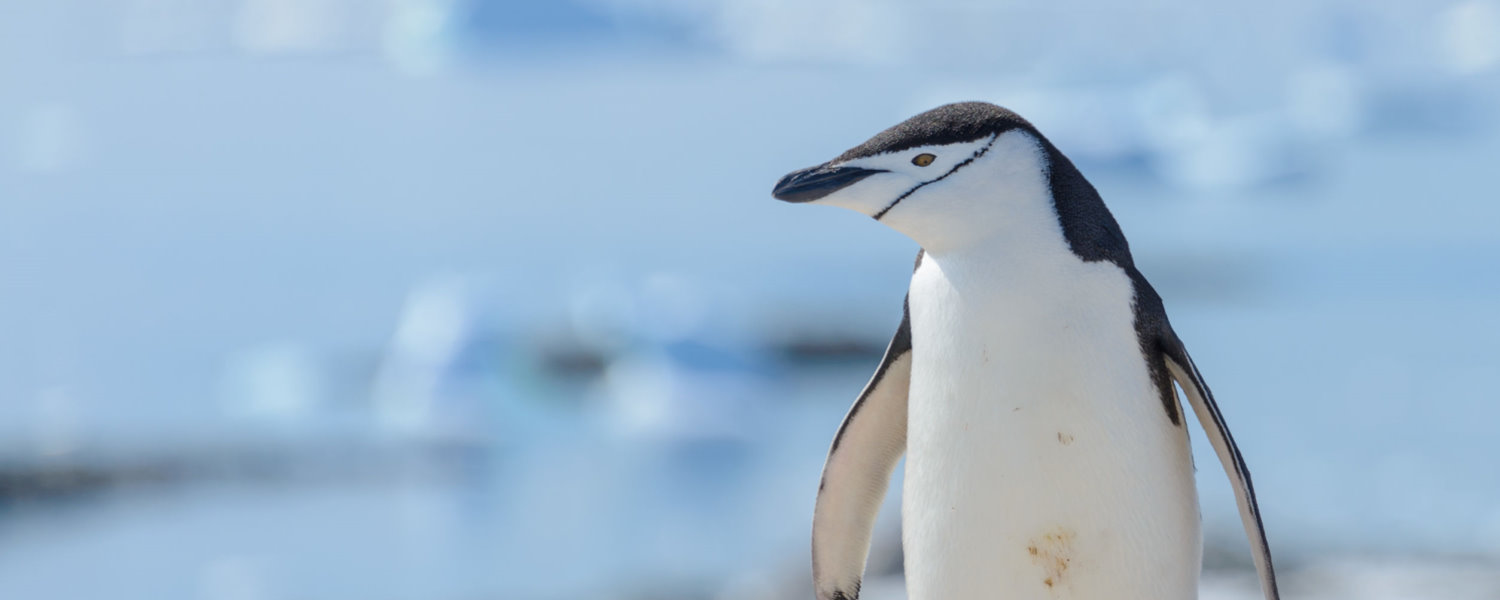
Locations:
811 184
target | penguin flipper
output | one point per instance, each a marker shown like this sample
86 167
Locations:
864 453
1186 373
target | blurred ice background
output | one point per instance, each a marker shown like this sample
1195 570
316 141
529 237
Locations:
466 299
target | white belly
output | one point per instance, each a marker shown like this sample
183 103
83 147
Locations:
1041 463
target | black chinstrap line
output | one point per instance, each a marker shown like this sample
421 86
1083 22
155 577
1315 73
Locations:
955 169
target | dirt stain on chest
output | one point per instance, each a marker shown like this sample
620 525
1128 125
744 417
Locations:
1053 553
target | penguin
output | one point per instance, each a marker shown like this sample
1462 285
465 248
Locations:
1029 384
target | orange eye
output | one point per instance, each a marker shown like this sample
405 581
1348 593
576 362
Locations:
923 159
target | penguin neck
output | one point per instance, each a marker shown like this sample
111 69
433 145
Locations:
1024 251
1026 242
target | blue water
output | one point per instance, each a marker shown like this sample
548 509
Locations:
183 229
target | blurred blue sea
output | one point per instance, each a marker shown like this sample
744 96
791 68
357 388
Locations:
456 299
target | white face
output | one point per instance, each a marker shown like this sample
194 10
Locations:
904 171
966 190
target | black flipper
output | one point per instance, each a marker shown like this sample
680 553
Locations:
858 471
1186 373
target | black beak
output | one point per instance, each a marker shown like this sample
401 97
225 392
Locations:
810 184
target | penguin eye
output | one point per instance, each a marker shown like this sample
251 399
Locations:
923 159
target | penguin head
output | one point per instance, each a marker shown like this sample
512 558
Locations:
951 173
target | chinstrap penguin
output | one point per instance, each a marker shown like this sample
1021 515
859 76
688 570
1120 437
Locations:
1030 383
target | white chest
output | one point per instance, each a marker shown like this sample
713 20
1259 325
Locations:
1041 462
